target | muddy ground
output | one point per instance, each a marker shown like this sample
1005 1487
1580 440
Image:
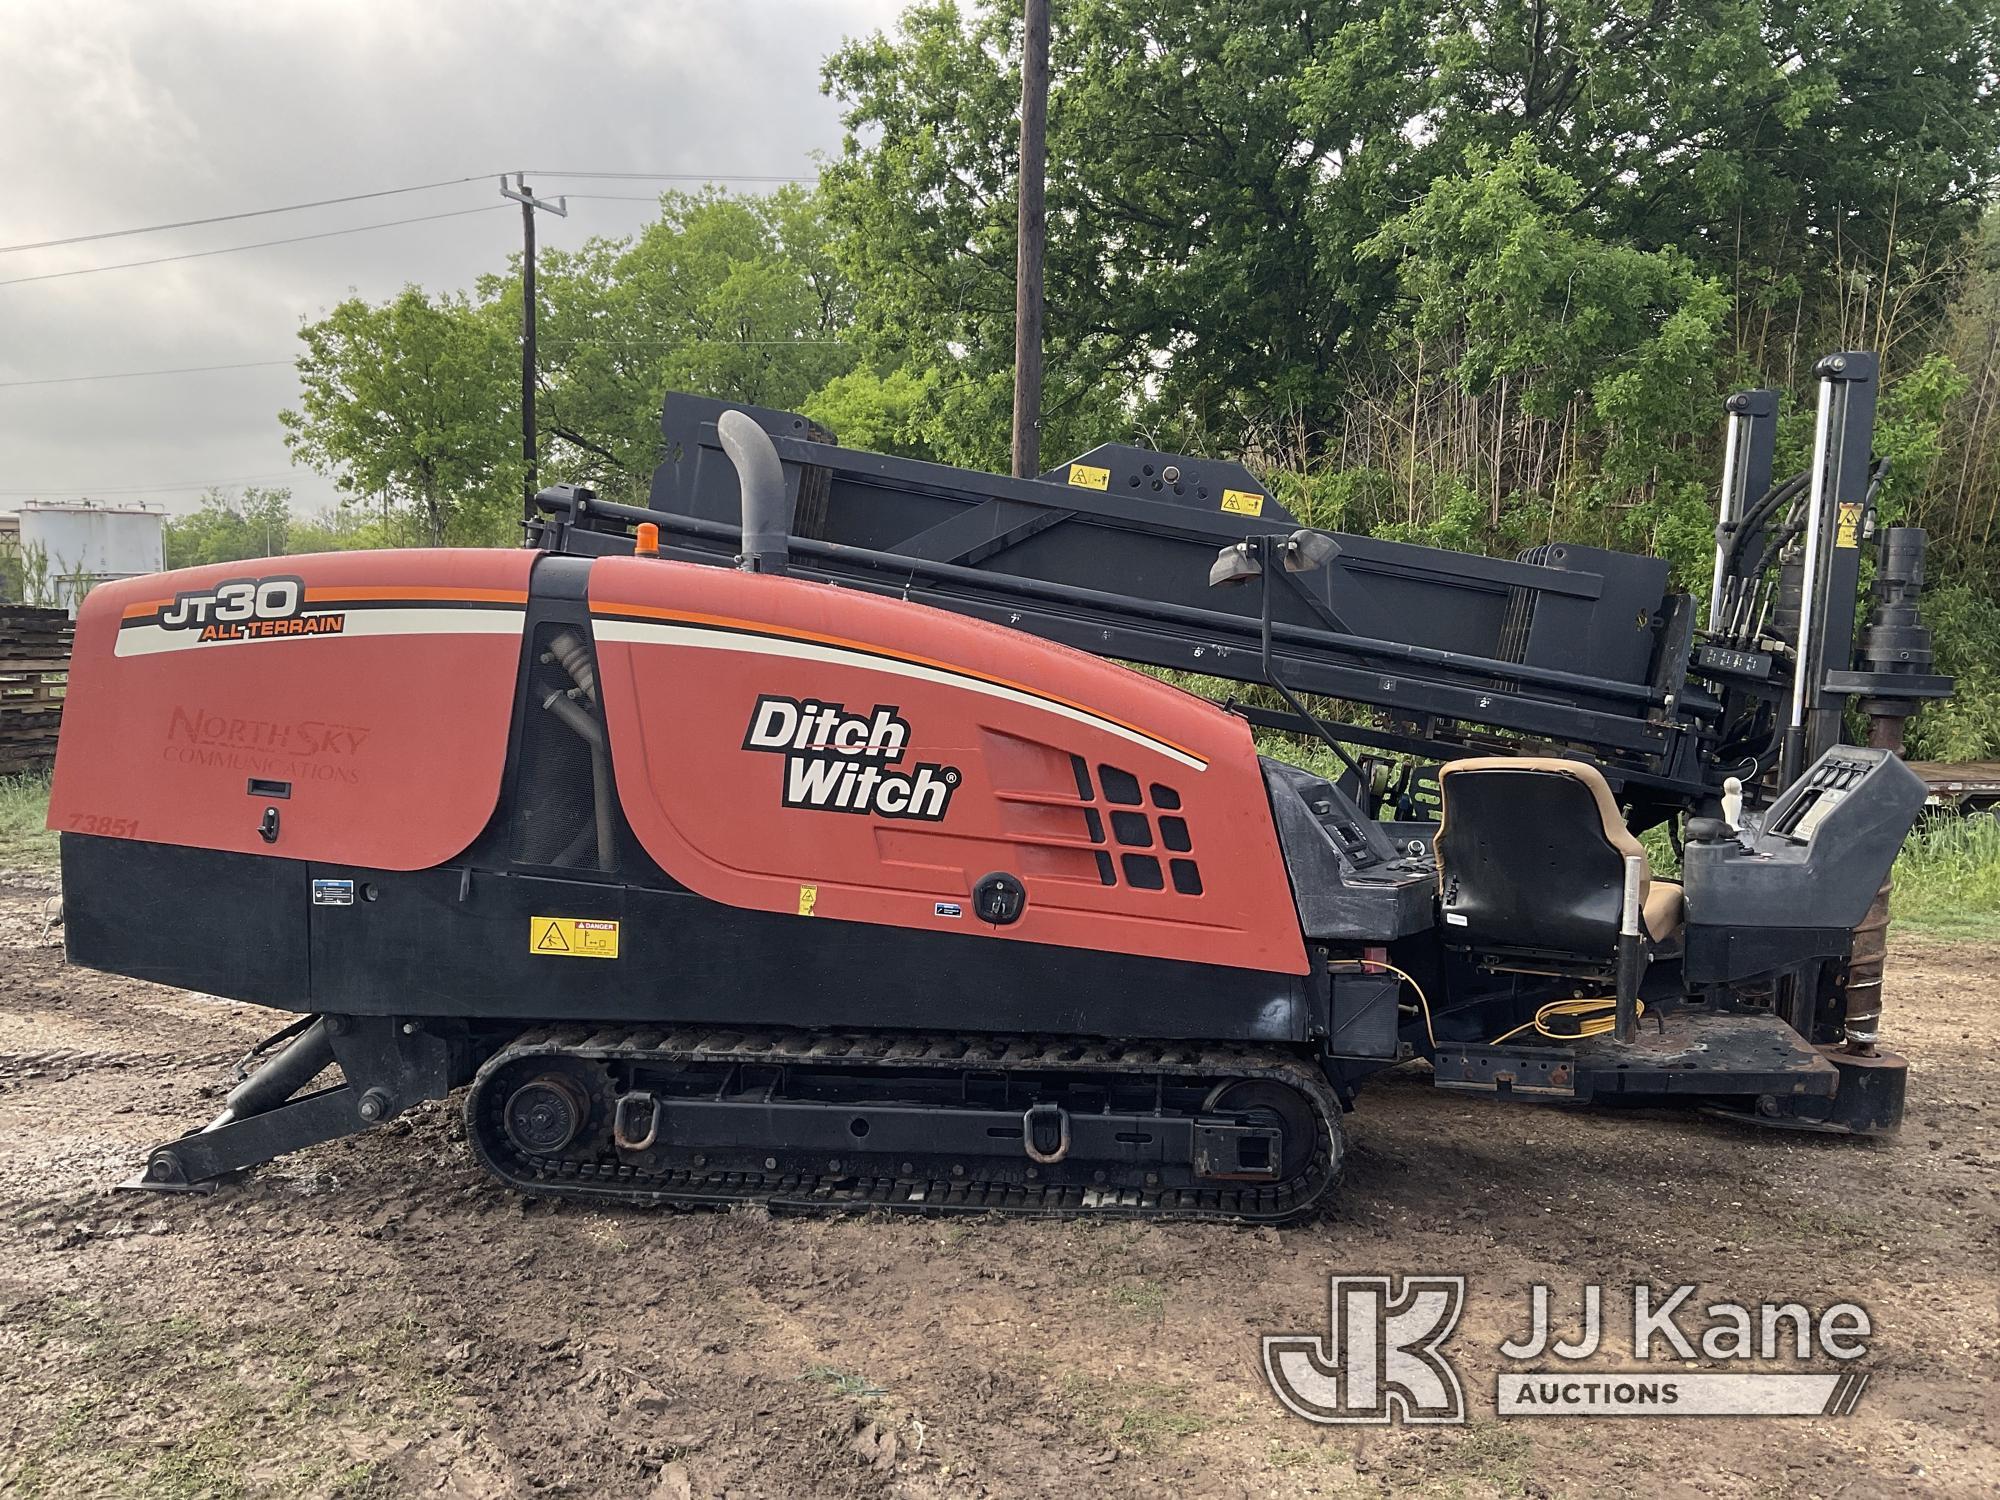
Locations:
375 1317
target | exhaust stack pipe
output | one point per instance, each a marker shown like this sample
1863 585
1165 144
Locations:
767 507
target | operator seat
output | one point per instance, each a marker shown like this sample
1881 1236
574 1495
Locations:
1531 859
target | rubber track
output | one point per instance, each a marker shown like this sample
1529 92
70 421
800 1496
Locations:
1268 1203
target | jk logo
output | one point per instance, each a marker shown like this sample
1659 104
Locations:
1380 1361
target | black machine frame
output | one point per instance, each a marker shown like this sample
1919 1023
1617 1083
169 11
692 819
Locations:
1568 647
1567 650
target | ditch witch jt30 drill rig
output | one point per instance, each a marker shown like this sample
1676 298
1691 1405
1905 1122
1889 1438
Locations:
800 838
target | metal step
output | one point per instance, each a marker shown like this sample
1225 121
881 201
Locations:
1680 1053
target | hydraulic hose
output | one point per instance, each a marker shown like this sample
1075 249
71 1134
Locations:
573 655
600 795
591 733
1759 513
281 1076
587 729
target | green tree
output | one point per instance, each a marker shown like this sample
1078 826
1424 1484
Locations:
1960 502
1544 329
1185 285
1825 158
736 297
255 522
413 403
882 413
1746 186
261 523
346 529
1473 272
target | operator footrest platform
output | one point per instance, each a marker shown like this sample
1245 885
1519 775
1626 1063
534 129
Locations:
1682 1053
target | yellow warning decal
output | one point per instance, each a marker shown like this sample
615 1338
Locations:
1847 528
572 937
808 899
1243 502
1089 477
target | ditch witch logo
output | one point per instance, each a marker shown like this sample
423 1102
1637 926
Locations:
1383 1361
837 761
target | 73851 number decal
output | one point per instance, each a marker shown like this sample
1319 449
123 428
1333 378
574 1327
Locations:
116 828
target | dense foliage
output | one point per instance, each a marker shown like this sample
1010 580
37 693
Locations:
258 522
1474 272
403 403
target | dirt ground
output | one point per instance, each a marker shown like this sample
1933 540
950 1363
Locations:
376 1317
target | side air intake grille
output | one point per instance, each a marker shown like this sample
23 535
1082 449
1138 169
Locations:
1141 818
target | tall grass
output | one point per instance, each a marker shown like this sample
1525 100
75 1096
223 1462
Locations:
24 806
1948 877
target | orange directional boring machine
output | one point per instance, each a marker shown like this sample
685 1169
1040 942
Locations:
804 836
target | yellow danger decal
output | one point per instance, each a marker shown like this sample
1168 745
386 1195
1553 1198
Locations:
1089 477
1847 528
572 937
808 899
1243 502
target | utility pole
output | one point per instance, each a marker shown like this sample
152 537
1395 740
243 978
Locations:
1031 232
521 194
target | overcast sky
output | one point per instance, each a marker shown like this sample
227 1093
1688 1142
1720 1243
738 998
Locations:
122 113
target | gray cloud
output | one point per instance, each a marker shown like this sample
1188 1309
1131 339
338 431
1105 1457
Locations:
128 112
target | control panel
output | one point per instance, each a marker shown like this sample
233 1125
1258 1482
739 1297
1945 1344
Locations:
1797 885
1350 880
1360 841
1829 782
1728 661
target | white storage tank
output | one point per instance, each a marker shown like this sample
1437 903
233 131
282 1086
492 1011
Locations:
67 548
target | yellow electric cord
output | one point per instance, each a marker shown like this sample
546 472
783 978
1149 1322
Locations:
1423 1001
1584 1007
1596 1015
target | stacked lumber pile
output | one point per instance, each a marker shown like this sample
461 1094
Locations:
34 673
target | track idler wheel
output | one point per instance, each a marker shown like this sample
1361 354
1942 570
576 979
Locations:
1266 1102
545 1114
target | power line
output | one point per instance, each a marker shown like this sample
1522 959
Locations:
616 344
679 176
145 489
420 187
608 345
254 364
253 213
297 239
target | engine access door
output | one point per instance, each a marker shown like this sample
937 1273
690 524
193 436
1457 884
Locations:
351 707
794 747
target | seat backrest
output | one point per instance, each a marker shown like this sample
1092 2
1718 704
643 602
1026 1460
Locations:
1531 854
